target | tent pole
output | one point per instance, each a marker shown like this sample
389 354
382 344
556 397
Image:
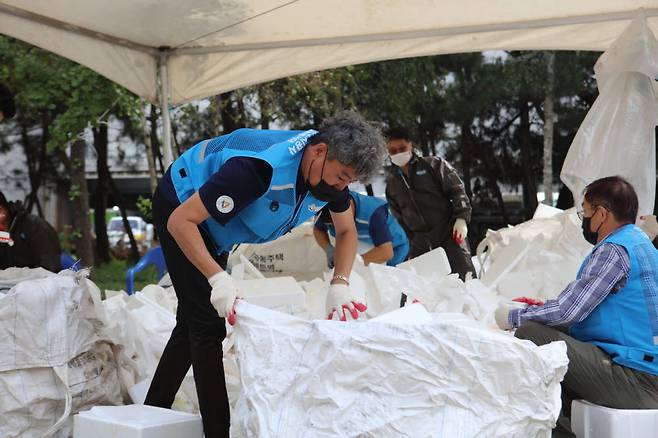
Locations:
164 106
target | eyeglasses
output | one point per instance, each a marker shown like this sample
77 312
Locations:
581 213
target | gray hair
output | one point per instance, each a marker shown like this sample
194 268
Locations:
354 142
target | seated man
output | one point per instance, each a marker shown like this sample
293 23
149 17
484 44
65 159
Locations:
26 240
375 227
608 316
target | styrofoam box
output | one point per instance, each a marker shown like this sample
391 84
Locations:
431 264
136 421
593 421
271 292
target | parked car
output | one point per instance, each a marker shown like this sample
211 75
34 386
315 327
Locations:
142 230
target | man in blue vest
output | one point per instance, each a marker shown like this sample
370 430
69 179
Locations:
248 186
608 316
375 227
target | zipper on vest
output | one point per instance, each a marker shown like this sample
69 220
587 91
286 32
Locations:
289 224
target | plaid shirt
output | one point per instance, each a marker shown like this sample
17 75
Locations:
605 272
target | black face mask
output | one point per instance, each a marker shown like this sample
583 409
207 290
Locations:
323 191
588 234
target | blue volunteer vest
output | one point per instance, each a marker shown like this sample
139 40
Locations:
625 324
273 214
365 206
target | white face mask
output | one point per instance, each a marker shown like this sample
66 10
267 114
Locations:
401 159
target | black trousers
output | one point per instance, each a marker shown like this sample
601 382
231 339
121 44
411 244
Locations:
197 338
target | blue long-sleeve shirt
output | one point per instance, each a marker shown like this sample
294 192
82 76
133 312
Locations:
605 272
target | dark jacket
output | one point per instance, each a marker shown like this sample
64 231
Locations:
428 201
35 242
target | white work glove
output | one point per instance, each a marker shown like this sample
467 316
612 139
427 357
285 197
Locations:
329 251
459 231
501 315
650 226
340 299
223 295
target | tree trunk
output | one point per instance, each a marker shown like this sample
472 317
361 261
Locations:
134 251
174 138
493 185
265 105
232 115
529 183
467 148
227 113
35 164
155 143
217 116
100 204
549 119
80 196
153 179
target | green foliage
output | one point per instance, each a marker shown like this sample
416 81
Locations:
112 275
145 207
74 192
65 239
464 106
72 96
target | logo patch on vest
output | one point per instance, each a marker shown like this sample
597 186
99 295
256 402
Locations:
225 204
299 141
421 172
314 208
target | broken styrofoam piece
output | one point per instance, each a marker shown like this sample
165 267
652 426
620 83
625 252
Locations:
136 421
315 297
431 264
161 296
411 314
438 295
450 377
480 302
272 293
505 261
250 269
138 391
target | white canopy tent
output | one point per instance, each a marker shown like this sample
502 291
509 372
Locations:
204 47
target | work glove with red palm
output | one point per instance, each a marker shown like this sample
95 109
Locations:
223 295
343 302
529 301
459 231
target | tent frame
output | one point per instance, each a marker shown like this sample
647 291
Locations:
163 54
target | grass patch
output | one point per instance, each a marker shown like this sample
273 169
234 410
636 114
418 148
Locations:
112 275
